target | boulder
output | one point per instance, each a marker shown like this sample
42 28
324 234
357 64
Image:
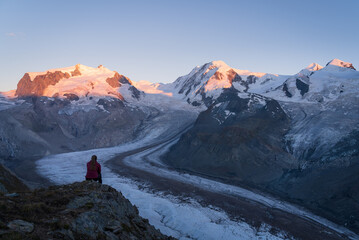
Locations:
21 226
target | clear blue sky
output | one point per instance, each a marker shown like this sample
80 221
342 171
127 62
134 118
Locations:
161 40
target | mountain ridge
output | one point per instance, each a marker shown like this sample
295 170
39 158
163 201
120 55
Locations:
296 126
202 82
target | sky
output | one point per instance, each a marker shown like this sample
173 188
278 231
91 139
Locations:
159 41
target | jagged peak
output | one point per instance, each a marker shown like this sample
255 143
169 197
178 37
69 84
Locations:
314 67
219 64
340 63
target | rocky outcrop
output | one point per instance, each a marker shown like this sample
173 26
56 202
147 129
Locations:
135 92
21 226
114 81
302 87
71 96
117 79
76 72
233 76
125 80
35 87
286 91
86 210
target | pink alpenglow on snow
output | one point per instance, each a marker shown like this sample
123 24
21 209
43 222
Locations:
340 63
79 80
314 67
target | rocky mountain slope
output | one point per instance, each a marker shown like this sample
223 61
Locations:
86 210
237 137
293 136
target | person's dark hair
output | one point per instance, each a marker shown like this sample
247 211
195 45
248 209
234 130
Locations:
93 162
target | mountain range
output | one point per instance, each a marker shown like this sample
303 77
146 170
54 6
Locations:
293 136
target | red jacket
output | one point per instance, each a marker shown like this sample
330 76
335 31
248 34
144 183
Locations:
93 173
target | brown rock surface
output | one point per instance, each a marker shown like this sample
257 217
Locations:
26 87
114 81
76 72
117 79
233 76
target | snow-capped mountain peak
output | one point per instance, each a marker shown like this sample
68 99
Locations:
205 83
314 67
310 69
76 82
219 64
315 83
340 63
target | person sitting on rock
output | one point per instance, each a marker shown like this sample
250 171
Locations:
93 170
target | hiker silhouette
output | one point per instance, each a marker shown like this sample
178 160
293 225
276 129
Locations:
93 170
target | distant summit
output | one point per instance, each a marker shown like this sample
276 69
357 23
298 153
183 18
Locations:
76 82
340 63
314 67
205 83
